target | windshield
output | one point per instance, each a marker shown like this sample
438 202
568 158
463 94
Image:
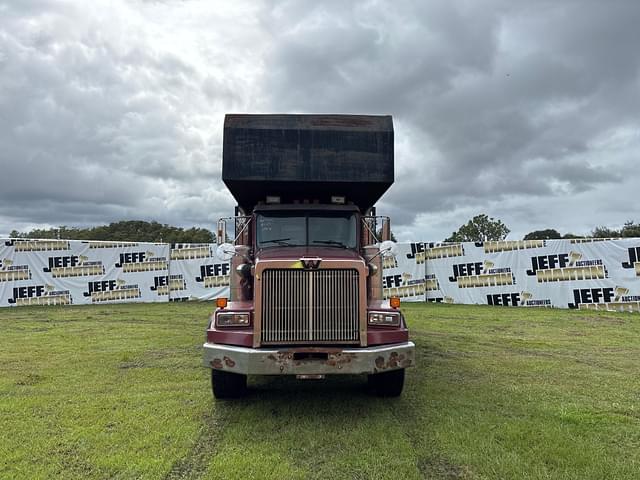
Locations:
337 229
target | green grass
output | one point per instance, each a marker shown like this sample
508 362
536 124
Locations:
118 392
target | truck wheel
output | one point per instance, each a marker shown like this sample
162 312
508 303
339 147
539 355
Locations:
228 385
387 384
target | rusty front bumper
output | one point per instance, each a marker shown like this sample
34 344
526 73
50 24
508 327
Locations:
308 360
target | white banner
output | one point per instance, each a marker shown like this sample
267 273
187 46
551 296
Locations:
582 273
63 272
403 273
196 273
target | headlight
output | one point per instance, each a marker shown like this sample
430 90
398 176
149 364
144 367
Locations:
391 319
229 319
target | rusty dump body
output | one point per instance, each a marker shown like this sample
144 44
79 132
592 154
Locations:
307 156
306 280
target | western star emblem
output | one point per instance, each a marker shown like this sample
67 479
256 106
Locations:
310 263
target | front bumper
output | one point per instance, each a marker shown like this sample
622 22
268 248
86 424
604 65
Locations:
308 360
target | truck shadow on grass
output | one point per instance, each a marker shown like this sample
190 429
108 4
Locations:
281 396
275 386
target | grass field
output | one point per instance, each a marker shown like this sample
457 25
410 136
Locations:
118 392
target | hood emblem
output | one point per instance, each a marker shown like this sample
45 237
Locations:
310 263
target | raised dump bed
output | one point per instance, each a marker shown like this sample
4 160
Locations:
307 157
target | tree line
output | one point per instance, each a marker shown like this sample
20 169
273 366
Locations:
479 228
124 231
482 227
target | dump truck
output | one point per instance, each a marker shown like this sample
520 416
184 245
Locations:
306 296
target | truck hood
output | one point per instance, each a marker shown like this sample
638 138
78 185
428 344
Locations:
295 253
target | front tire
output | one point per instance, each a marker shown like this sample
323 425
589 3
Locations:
228 385
387 384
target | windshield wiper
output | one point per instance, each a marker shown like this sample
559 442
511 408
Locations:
279 241
330 242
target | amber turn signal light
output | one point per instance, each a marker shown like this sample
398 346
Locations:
394 302
222 302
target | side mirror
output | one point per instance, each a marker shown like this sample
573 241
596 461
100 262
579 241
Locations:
221 236
225 251
388 249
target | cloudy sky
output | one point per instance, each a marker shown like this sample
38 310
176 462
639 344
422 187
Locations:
528 111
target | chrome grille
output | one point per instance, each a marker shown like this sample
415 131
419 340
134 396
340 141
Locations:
307 306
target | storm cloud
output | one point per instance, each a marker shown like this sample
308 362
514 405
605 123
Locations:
525 111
